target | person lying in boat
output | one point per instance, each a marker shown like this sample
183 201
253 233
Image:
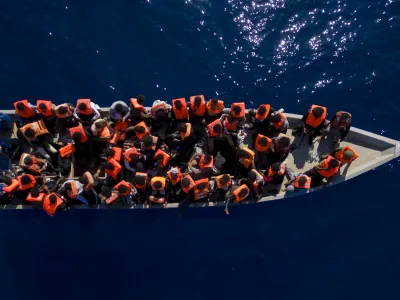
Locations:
119 111
298 183
214 108
35 165
326 169
137 111
236 194
86 111
278 124
313 123
345 155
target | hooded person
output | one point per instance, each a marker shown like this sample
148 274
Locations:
119 111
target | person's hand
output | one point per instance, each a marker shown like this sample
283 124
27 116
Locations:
165 205
226 211
203 121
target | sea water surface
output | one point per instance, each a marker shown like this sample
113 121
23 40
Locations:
340 243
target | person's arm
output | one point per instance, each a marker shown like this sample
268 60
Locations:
95 111
229 198
75 114
127 112
127 166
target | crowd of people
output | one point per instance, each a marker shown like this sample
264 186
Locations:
183 152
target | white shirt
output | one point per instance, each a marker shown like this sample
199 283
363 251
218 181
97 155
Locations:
95 109
116 115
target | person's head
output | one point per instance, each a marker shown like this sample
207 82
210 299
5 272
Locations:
333 163
82 106
122 189
225 179
52 199
217 128
83 180
174 174
106 191
284 142
206 158
140 99
157 185
236 109
140 180
275 167
348 154
161 113
42 107
35 192
197 101
109 152
214 103
276 118
20 106
29 133
119 108
262 110
99 124
182 127
28 160
178 104
108 166
317 112
62 110
345 116
134 157
243 192
77 137
8 180
140 129
185 182
148 140
68 186
230 119
201 186
263 142
252 176
242 153
25 179
302 180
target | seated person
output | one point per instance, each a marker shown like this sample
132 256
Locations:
326 169
279 124
86 111
313 123
137 111
119 111
158 192
298 183
214 108
276 173
201 166
236 194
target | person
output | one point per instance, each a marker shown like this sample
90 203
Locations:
224 183
236 194
197 109
326 169
47 111
179 111
345 155
279 124
298 183
141 130
313 122
174 188
276 173
263 146
149 145
161 160
35 165
74 189
25 110
79 135
99 128
256 183
203 189
188 185
339 126
260 119
108 196
35 196
65 118
160 119
281 147
126 191
245 162
134 161
86 111
88 187
53 203
141 184
10 185
214 109
26 181
158 193
113 152
32 132
216 136
138 113
201 165
238 111
113 171
183 141
119 111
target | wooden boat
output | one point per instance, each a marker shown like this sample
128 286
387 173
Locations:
374 150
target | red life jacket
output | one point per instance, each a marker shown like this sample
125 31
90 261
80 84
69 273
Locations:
136 105
24 187
49 108
125 184
198 194
218 109
10 188
312 121
242 109
178 177
201 109
210 128
67 150
117 168
264 115
165 157
28 111
80 130
181 114
324 164
51 208
231 126
88 110
340 155
260 148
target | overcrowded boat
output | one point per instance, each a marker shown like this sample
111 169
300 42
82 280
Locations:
175 155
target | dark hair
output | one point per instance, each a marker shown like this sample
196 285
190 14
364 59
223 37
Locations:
225 179
207 158
99 124
42 107
217 128
302 180
83 180
140 99
276 118
159 157
243 192
8 180
263 141
53 199
109 152
317 112
236 109
160 113
262 110
185 182
77 136
119 108
202 186
35 191
29 133
284 141
20 106
139 166
148 140
214 101
275 167
346 115
106 191
108 166
197 101
333 163
140 129
252 176
137 143
182 127
122 189
28 160
230 119
62 110
178 104
82 106
157 185
68 186
25 179
134 157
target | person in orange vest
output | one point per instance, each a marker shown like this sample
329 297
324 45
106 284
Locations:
298 183
244 162
174 188
279 124
281 147
188 185
345 155
260 119
65 118
47 111
183 140
263 146
25 110
99 128
276 173
89 191
326 169
197 109
158 192
256 183
201 166
126 191
313 123
161 162
135 161
214 109
35 165
86 111
149 145
138 112
238 111
74 190
7 189
53 203
339 127
113 172
109 197
142 183
179 112
223 184
236 194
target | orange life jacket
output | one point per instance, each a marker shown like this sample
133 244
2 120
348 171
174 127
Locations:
190 186
281 171
255 183
117 168
242 111
88 110
28 111
80 130
202 165
117 136
39 198
340 155
24 187
136 105
307 185
264 115
105 133
201 194
231 126
138 174
49 108
127 154
324 164
182 113
198 111
262 148
220 185
117 153
74 190
188 131
159 106
66 115
313 121
340 121
154 146
121 126
218 110
178 177
51 208
38 127
125 184
146 132
154 180
210 128
281 122
238 190
34 167
112 198
10 188
67 150
246 162
165 157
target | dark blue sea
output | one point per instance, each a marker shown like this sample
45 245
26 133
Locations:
341 243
